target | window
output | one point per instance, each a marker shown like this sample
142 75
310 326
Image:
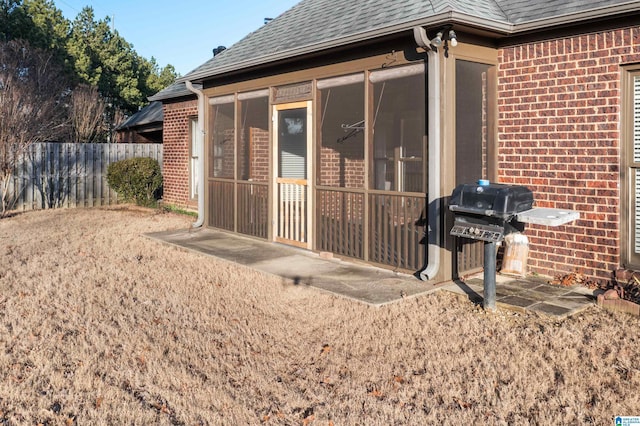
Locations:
341 153
399 128
222 137
631 192
636 167
194 149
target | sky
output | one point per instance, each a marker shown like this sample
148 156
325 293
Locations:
180 33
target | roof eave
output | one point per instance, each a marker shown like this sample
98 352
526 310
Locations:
447 17
163 97
496 27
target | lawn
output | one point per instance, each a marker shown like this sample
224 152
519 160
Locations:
100 325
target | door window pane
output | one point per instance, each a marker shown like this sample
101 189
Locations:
292 129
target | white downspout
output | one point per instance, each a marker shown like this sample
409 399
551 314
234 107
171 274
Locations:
200 141
433 195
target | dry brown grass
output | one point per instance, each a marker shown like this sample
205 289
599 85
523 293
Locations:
99 325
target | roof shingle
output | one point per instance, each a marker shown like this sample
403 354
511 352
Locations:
314 25
152 113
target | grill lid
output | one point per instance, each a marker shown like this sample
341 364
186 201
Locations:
493 200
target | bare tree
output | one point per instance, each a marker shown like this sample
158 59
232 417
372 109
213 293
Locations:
87 112
33 92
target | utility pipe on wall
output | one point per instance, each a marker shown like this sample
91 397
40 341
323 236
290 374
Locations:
433 194
197 89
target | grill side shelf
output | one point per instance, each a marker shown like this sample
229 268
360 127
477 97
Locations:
547 216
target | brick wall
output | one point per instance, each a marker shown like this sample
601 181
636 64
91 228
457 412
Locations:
259 169
176 136
559 105
342 165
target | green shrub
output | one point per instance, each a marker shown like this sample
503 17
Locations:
136 180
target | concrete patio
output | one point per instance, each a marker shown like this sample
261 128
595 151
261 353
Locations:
368 284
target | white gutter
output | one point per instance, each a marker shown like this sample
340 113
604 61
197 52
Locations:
433 192
200 142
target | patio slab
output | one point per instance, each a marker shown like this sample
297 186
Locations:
364 283
369 284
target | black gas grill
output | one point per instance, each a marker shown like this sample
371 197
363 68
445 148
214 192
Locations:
487 212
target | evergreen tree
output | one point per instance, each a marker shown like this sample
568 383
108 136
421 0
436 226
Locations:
93 53
50 29
14 20
105 59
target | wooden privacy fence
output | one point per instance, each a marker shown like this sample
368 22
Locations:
51 175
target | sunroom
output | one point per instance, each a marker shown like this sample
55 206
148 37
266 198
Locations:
351 155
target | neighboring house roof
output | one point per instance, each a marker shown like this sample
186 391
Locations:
150 114
314 25
176 90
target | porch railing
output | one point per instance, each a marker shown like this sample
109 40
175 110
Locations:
253 209
394 231
339 224
220 208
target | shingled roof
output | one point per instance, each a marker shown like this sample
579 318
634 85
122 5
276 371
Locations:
150 114
315 25
176 90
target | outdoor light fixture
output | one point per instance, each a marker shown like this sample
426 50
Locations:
437 40
444 37
453 38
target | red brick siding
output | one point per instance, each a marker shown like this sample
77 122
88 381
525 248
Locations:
342 165
259 154
225 159
176 136
559 105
